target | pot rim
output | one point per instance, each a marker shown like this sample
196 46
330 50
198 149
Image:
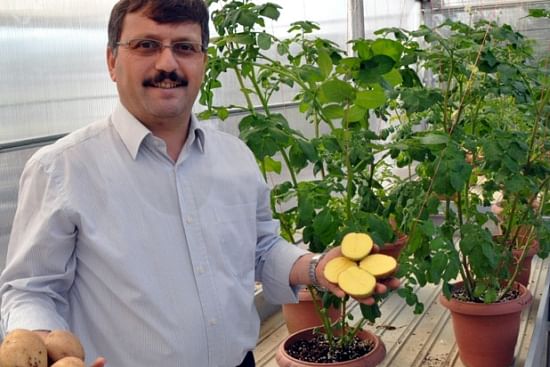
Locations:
378 351
489 309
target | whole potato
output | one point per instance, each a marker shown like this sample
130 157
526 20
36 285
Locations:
69 362
23 348
63 343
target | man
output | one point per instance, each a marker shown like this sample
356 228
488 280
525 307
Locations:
144 233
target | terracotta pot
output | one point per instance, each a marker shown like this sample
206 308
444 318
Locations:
525 273
371 359
394 249
302 315
486 334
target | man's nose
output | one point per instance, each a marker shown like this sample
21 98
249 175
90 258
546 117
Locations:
166 60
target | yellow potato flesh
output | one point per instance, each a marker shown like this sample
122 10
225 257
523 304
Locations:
356 282
379 265
335 266
356 246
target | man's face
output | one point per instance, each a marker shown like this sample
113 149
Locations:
152 100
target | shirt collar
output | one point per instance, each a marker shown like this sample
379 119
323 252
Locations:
132 132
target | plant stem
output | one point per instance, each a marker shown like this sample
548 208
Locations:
347 158
325 319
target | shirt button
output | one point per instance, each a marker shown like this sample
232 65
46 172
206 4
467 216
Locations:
212 322
200 270
189 220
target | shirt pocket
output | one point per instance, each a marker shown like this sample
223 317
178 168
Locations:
236 232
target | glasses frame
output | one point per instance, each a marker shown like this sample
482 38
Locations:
161 46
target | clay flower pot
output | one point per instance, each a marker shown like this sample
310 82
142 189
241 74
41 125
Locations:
486 334
371 359
394 249
302 315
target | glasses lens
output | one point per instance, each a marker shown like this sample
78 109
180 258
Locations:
144 47
186 48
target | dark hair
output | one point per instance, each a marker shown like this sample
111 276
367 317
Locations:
161 11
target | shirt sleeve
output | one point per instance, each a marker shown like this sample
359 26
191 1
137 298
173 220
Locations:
40 264
274 256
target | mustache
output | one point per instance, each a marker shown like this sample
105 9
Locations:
162 75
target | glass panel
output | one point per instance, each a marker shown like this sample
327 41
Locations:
54 76
382 14
509 12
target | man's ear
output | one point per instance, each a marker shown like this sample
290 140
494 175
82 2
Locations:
111 61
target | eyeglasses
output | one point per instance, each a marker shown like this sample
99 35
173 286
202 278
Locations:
147 47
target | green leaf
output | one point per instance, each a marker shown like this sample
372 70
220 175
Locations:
393 77
333 111
264 41
371 99
241 38
310 74
325 226
420 99
222 113
298 159
325 63
306 209
434 139
370 313
489 253
309 150
387 47
270 10
437 266
379 229
438 243
272 165
356 113
282 49
516 183
246 18
371 70
539 13
337 91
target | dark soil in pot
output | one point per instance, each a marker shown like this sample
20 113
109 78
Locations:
317 350
459 293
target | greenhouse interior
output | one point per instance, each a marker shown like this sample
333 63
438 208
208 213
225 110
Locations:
399 152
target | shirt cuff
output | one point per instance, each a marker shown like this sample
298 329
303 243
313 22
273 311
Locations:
276 273
32 317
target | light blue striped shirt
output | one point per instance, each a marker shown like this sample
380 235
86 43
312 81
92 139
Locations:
149 262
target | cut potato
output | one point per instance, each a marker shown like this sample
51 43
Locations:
335 266
379 265
356 246
69 362
23 348
63 343
357 282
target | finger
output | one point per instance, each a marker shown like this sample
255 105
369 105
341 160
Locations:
334 289
99 362
369 301
391 283
380 288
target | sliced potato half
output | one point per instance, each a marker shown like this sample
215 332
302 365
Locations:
356 246
335 266
379 265
356 282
